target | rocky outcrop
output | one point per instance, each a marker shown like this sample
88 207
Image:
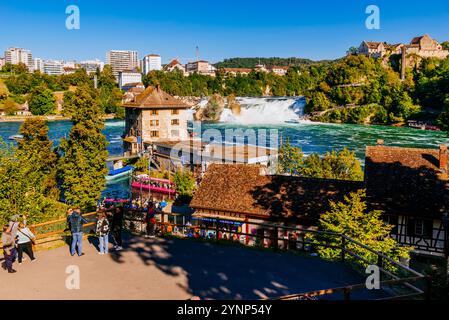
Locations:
212 110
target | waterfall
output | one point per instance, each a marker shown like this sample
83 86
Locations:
266 110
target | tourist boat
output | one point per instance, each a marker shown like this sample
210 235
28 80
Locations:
119 173
154 185
293 121
422 125
16 137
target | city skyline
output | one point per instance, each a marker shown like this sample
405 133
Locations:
321 30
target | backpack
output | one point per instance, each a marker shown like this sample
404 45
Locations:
104 228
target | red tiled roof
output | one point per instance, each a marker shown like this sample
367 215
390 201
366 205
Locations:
406 181
240 188
154 97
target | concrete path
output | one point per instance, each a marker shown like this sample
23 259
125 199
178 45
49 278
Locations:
173 269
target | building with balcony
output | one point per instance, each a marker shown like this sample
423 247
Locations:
122 60
19 55
53 67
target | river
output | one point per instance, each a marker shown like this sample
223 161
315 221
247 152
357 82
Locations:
311 137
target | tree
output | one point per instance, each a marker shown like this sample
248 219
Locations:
445 45
19 194
342 165
42 101
82 166
10 107
350 218
185 185
290 159
37 148
352 50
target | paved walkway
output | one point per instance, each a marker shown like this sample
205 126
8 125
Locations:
173 269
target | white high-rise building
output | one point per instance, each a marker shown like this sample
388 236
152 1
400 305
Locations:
18 55
91 66
53 67
122 60
38 65
151 62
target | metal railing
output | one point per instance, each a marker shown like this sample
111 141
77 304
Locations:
400 281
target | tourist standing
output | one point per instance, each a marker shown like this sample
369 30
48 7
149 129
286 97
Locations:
9 249
117 226
14 224
150 220
75 222
25 242
103 232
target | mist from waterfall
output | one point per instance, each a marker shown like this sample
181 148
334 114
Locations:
265 110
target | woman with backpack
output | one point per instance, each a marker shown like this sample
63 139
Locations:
25 240
103 232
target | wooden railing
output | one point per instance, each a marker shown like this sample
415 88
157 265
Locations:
402 281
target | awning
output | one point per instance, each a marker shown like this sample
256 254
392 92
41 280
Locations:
239 218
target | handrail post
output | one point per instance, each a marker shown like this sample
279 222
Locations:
217 229
343 248
347 294
380 265
428 289
275 238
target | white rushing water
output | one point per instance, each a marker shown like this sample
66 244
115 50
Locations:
266 110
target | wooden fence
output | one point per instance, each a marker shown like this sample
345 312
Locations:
399 280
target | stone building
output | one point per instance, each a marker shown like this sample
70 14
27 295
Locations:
423 46
151 116
426 47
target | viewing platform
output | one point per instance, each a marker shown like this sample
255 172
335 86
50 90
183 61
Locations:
175 269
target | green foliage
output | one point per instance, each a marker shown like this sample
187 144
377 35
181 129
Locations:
10 107
317 101
342 165
82 166
14 68
350 218
37 149
252 62
290 159
27 180
364 90
371 113
185 185
42 101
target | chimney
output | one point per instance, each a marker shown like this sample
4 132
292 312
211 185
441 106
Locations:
380 142
443 158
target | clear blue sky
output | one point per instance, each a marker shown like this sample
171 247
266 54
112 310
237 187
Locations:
316 29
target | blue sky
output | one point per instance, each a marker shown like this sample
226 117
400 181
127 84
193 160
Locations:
315 29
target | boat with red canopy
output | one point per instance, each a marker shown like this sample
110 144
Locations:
154 185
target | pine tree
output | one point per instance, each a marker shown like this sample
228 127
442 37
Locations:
37 149
290 159
350 218
82 167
